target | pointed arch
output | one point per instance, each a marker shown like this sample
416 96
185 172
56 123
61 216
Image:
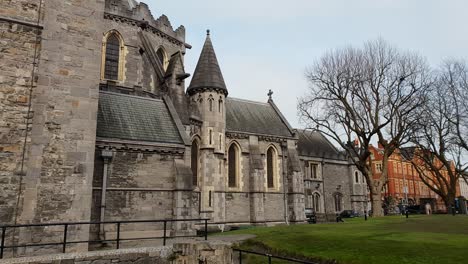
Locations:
195 160
113 56
317 202
338 200
210 102
162 57
233 164
272 166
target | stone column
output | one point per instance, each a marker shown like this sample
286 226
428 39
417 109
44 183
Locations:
256 182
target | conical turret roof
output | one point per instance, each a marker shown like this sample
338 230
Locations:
207 74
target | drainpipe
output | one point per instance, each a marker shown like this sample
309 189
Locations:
285 198
322 163
107 155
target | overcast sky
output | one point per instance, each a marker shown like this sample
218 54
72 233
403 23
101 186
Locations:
268 44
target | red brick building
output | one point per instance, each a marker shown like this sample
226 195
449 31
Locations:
404 178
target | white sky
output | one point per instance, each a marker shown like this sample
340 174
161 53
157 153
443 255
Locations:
267 44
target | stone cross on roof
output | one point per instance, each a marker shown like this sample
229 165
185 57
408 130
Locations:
270 93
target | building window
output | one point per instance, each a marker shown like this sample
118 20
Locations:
210 101
210 139
378 167
316 202
112 57
209 198
313 171
338 197
161 54
356 177
233 168
194 162
271 167
220 105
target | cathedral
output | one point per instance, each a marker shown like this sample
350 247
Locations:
98 123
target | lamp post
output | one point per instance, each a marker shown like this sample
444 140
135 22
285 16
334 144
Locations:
405 187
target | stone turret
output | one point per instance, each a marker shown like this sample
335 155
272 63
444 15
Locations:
208 90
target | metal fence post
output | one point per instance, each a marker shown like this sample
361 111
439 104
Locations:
164 235
2 245
269 259
240 256
118 235
206 229
65 231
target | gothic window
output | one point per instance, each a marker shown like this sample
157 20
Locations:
211 137
356 177
220 105
316 200
313 171
210 198
112 57
233 168
338 197
271 165
162 57
194 162
210 100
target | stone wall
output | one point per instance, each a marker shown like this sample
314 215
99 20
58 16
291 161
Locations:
17 48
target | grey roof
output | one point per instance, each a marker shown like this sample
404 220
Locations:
408 152
254 117
135 118
207 73
314 144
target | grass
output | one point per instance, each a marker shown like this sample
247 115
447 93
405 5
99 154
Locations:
419 239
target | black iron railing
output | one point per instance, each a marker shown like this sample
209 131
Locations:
117 240
268 257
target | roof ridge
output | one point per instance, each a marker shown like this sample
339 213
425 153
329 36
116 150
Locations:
133 96
247 100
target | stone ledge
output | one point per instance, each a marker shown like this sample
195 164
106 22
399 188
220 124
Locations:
129 253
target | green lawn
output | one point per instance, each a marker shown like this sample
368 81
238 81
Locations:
440 239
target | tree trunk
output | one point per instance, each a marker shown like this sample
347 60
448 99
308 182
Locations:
376 202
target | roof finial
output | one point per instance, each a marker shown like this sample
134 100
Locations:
270 93
207 32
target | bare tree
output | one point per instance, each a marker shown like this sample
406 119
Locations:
440 135
369 94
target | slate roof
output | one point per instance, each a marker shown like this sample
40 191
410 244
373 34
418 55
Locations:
254 117
314 144
408 152
207 73
129 117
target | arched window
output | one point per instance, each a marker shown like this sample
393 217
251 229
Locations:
220 105
316 200
233 168
356 177
210 101
162 57
271 167
112 57
194 162
338 197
